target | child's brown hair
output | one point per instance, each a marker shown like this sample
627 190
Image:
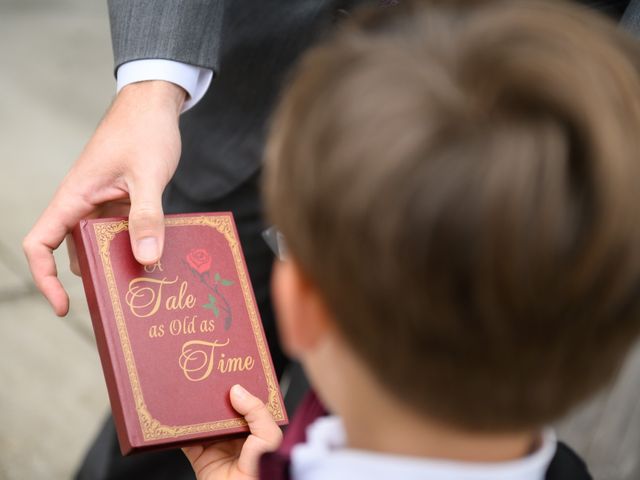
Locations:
461 182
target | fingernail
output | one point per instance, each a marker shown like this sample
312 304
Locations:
148 249
239 392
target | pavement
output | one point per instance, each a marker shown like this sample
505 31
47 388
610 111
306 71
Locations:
55 83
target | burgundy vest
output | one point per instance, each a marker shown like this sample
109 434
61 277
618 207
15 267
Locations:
275 466
566 465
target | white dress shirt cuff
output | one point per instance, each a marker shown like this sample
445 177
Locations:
194 80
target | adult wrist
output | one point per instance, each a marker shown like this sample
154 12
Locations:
159 93
193 79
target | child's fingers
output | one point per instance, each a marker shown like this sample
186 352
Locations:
194 455
265 436
255 412
261 423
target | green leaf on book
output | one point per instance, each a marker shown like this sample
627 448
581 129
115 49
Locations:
217 277
212 305
226 283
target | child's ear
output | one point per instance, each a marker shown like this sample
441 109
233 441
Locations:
301 313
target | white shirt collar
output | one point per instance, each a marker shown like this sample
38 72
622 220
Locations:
324 456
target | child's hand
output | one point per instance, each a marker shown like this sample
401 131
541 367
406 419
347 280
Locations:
238 459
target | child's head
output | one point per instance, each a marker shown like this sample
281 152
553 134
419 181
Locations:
459 184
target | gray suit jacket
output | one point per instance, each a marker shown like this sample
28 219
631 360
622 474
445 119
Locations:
183 30
250 44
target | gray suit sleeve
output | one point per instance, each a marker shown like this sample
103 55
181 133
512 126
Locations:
186 31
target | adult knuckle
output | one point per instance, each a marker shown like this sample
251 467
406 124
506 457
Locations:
145 215
28 244
145 209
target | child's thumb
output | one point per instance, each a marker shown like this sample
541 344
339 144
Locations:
265 436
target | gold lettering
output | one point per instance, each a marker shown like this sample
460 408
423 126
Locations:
154 267
145 295
156 331
249 362
207 326
175 327
197 358
182 300
235 364
221 364
185 326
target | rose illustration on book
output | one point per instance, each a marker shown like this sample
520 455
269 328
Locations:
200 262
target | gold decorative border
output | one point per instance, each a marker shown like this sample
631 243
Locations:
151 428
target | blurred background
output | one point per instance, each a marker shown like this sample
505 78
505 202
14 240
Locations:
55 82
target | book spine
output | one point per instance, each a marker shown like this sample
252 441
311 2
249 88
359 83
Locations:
90 268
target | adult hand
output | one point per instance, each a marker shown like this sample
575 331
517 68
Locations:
122 170
238 459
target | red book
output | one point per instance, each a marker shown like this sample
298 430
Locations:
174 337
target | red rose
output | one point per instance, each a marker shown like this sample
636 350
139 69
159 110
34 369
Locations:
200 260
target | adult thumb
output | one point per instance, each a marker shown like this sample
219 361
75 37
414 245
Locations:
146 222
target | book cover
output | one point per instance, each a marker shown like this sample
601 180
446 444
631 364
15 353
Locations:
175 336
